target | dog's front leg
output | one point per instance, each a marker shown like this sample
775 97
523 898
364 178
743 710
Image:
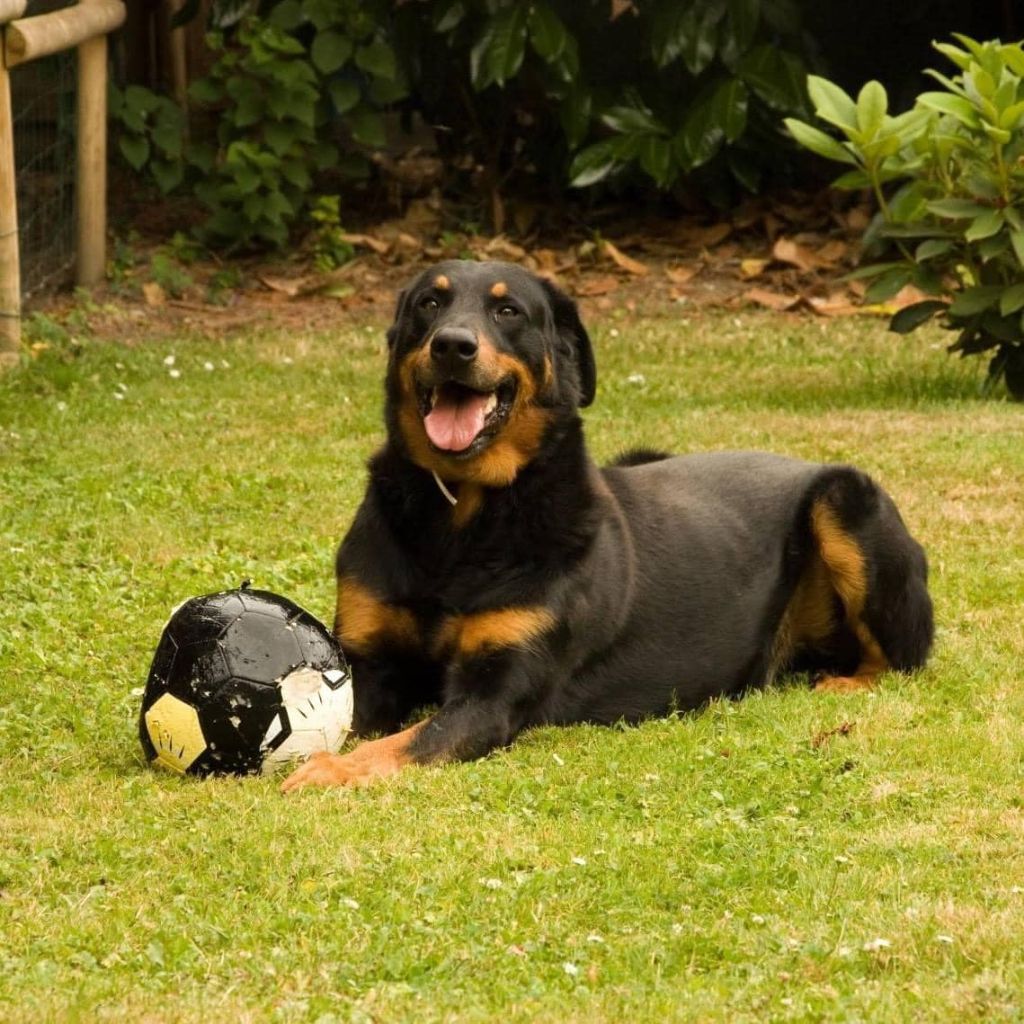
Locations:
493 699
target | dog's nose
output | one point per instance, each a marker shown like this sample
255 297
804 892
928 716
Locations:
453 347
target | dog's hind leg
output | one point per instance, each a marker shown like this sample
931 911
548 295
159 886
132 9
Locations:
879 573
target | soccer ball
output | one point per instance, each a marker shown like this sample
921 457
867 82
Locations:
242 682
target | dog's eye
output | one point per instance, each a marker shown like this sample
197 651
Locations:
429 304
506 312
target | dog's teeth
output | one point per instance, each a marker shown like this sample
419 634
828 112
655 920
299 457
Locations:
492 404
433 397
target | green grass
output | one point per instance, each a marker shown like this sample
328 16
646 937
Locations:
718 866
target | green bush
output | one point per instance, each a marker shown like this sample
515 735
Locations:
949 179
552 92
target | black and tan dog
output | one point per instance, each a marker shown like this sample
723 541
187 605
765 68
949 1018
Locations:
493 570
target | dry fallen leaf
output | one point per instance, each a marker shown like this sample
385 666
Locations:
369 241
820 738
832 252
501 247
620 259
750 268
771 300
836 304
680 275
785 250
153 294
591 286
286 286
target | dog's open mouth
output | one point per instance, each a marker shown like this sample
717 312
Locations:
460 419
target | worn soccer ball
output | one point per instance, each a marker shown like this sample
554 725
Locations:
243 682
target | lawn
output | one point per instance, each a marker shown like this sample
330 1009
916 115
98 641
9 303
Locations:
788 856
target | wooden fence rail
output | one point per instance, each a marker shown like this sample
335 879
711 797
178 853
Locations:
85 26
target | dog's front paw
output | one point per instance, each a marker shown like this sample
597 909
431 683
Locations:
322 769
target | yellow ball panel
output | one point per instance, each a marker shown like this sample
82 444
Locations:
175 733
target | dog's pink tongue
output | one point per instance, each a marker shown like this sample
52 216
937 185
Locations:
454 422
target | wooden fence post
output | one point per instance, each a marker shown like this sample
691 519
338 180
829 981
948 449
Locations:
10 278
91 177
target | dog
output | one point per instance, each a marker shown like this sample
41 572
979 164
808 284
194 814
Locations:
492 569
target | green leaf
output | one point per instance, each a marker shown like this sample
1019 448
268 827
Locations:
594 163
202 156
744 17
378 59
632 119
168 138
1012 299
286 15
872 106
498 54
574 115
731 108
548 35
447 16
819 142
702 134
167 174
932 247
367 127
330 50
280 135
888 284
975 300
656 159
206 90
776 76
957 209
984 226
135 149
1017 241
957 56
344 94
873 270
911 317
956 106
139 98
832 104
699 36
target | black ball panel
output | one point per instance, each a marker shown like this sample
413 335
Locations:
261 647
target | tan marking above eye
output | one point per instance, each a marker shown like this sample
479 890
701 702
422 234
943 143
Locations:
442 282
499 290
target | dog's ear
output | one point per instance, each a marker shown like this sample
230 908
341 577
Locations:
392 334
571 329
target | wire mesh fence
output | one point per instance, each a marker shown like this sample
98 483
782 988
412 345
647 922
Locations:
43 102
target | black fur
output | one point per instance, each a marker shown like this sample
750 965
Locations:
665 580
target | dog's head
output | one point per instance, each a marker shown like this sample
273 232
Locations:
484 359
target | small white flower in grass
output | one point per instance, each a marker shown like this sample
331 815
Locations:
594 937
225 365
677 929
136 691
122 387
636 378
208 366
756 919
169 360
876 945
287 360
946 940
491 883
174 374
786 1001
580 861
571 969
119 396
558 760
62 407
1015 889
614 332
350 903
841 859
844 951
